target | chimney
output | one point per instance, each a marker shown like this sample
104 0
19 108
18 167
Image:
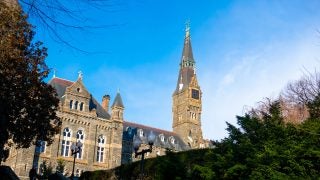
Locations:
105 102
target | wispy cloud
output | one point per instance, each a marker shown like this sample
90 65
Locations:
262 74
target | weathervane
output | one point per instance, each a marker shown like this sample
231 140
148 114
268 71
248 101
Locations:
80 75
187 28
54 73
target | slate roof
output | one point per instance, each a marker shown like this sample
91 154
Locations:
187 64
187 54
131 129
118 101
60 85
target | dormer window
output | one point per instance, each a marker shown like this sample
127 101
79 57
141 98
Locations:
161 137
172 140
141 133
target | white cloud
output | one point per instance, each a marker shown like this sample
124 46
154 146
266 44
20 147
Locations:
246 81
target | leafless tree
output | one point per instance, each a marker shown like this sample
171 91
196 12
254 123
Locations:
303 90
60 18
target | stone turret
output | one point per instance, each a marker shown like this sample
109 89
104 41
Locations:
117 108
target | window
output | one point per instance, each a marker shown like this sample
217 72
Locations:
76 105
195 94
71 103
81 106
172 140
100 148
141 133
161 137
41 146
66 142
80 137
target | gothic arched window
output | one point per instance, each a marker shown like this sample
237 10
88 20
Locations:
81 106
71 103
76 105
100 148
66 142
80 137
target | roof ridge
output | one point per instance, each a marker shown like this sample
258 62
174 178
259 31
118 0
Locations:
149 127
62 79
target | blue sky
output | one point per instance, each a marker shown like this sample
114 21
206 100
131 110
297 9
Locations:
244 51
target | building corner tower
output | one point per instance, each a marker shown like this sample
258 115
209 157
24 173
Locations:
187 104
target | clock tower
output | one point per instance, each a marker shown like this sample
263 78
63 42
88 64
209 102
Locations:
186 106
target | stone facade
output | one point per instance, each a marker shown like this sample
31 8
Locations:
106 137
84 120
187 104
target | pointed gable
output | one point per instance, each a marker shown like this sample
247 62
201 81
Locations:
76 91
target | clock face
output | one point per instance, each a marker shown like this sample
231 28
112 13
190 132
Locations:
195 94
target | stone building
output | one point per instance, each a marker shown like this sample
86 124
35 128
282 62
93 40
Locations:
186 109
84 120
106 136
187 104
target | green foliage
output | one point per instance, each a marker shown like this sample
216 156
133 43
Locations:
259 148
27 104
61 164
46 170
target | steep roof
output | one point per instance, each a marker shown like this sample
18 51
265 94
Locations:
187 64
129 127
60 85
118 101
187 55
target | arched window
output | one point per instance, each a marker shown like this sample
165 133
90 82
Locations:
81 106
172 140
76 105
100 148
71 103
141 134
66 142
80 137
161 138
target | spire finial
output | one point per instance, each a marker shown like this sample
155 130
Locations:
187 28
54 73
80 75
118 90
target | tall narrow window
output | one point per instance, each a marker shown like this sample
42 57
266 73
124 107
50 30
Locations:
66 142
100 148
81 106
80 137
71 103
76 105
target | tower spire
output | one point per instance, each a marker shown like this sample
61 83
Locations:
187 59
187 64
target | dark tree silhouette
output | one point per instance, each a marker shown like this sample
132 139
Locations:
27 104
